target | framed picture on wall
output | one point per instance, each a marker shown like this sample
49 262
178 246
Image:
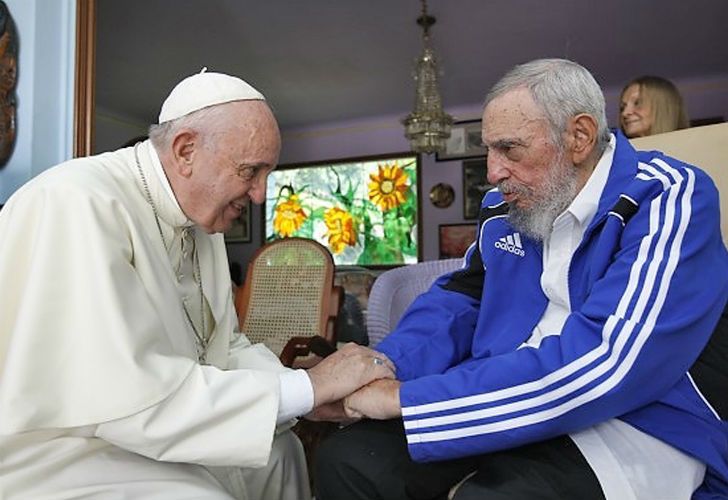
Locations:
465 142
240 230
455 239
475 185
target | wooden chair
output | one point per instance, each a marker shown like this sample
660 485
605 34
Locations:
288 301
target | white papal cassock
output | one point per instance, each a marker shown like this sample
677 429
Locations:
101 394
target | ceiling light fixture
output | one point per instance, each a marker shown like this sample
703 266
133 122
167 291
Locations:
428 126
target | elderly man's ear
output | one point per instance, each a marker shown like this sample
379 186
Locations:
184 148
581 138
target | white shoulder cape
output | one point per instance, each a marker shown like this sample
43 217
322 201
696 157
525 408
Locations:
91 325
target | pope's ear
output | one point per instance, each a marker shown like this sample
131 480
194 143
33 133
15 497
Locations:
184 148
582 137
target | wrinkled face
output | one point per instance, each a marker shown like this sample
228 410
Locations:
231 166
635 113
525 164
520 149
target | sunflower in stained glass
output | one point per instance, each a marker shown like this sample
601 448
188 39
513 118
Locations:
341 230
388 187
288 217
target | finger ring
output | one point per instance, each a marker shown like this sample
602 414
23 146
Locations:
378 361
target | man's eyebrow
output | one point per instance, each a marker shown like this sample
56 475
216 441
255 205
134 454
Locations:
505 143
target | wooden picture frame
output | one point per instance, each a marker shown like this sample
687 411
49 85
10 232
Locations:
85 88
454 239
240 232
465 142
475 185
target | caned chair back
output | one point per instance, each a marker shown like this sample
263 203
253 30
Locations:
705 147
288 292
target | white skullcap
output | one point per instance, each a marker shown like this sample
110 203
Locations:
205 89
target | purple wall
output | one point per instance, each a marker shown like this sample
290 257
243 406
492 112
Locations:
705 97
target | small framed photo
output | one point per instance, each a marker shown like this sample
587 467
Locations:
475 185
465 142
240 230
455 239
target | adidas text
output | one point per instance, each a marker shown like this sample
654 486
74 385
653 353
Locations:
512 244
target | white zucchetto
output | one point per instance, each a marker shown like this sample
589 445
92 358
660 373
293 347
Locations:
205 89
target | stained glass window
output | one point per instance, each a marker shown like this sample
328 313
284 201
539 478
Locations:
365 211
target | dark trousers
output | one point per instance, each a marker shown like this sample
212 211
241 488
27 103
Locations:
369 460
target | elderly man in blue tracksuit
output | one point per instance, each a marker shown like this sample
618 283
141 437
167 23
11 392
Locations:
580 351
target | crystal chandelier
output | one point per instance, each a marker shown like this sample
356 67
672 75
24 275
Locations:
428 126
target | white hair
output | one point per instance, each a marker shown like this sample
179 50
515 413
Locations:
562 89
205 121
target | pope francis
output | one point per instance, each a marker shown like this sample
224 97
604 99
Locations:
122 374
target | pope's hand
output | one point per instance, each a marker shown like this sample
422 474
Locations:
345 371
378 400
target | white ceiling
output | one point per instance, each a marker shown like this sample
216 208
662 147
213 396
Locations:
328 60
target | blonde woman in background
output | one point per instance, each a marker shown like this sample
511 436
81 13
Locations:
651 105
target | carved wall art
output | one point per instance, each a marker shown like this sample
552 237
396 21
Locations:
8 79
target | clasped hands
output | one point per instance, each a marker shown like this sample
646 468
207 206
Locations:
352 383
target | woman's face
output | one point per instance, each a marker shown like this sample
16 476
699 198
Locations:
635 113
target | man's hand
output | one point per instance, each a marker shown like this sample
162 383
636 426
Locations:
345 371
378 400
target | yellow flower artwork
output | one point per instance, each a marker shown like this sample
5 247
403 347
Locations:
341 231
364 210
289 217
388 187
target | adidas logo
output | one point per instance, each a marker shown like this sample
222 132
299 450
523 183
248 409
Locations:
512 244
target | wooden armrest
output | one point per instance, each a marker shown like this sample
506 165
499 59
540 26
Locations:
335 304
303 346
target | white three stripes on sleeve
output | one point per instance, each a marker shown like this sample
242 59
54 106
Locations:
676 205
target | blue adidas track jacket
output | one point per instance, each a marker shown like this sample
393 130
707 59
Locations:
647 284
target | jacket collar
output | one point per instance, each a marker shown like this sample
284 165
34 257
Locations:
621 172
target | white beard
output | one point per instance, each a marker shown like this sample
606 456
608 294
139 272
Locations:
547 202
